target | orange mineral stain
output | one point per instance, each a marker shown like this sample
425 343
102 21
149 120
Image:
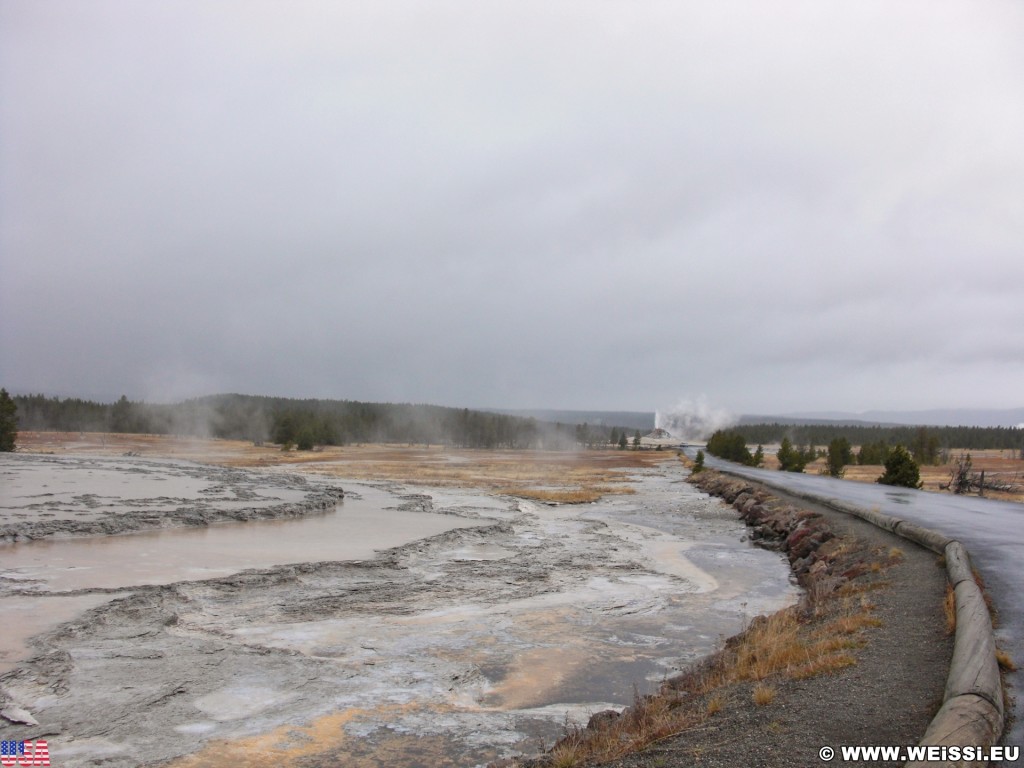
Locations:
279 747
324 742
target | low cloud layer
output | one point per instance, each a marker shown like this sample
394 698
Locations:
588 205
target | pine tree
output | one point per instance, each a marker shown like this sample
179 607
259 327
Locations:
698 462
925 446
757 460
901 469
839 455
121 415
791 459
8 422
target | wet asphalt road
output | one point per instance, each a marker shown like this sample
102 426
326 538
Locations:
992 531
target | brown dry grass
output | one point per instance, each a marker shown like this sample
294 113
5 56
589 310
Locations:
997 465
786 644
549 476
581 495
949 603
715 704
949 609
763 694
1004 660
989 604
650 719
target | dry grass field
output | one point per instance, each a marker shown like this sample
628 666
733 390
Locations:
552 476
556 476
1003 466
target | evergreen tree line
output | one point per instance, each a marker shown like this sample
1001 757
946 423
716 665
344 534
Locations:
923 448
308 423
732 444
937 438
901 468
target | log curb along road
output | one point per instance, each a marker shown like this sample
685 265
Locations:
972 709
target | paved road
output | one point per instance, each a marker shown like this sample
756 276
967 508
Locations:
992 531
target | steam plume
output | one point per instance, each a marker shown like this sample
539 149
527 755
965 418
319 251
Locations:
693 419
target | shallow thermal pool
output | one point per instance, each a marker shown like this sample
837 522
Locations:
485 623
356 530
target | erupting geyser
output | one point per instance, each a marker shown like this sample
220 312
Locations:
693 420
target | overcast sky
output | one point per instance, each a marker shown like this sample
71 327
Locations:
783 206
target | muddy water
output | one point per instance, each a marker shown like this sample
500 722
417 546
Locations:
86 488
356 530
450 650
26 616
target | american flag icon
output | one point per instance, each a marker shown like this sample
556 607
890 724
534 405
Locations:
25 753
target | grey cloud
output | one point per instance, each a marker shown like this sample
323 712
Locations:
582 205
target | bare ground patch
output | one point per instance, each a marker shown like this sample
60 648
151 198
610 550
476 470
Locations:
568 477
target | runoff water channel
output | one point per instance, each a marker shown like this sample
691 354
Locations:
405 627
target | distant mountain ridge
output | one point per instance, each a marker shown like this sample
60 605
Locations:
642 420
936 417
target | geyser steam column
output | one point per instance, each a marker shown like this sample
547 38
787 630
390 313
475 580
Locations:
693 420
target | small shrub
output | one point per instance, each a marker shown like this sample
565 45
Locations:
793 459
901 470
758 458
839 455
566 754
698 462
763 694
715 705
960 478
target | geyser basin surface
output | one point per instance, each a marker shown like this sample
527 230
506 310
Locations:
88 488
454 649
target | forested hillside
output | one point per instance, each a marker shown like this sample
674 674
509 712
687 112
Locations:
306 423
